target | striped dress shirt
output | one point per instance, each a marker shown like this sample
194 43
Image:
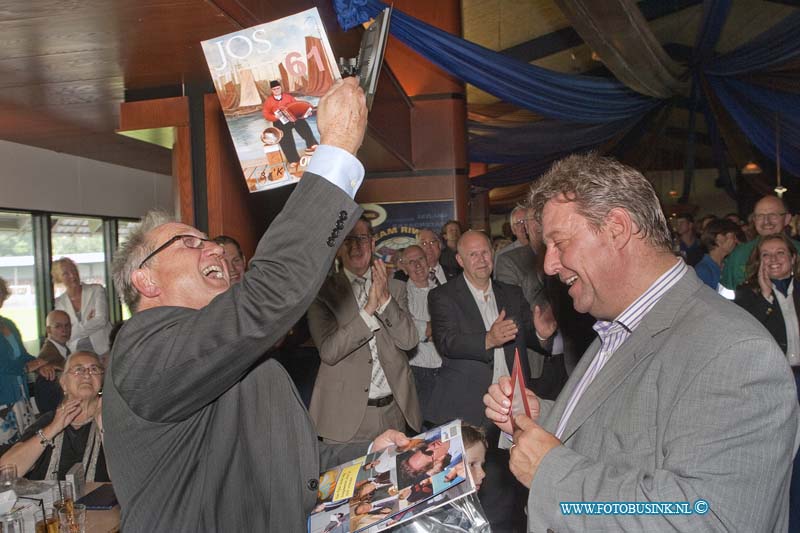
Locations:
612 334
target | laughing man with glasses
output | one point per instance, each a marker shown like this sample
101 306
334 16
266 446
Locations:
202 433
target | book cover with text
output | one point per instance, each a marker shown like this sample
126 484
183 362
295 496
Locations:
269 79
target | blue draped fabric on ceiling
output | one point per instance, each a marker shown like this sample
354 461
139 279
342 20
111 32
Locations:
586 111
567 97
755 108
494 143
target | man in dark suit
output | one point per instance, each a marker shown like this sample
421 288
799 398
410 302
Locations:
54 351
202 433
478 323
361 326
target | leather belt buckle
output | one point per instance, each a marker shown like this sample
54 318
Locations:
380 402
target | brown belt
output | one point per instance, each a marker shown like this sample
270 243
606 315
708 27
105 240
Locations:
380 402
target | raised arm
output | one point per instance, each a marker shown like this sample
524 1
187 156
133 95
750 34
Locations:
187 358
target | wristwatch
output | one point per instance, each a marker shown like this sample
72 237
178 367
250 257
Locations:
44 441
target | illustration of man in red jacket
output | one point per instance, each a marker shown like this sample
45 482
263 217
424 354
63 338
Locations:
276 109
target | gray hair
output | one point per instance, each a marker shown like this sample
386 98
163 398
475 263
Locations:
515 211
93 355
438 237
132 253
599 184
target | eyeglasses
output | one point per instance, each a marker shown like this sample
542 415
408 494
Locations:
416 262
189 241
360 240
82 371
430 243
772 217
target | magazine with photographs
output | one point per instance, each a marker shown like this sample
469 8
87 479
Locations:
269 79
383 488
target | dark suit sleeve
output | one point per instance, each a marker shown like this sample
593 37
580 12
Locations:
452 339
517 308
185 359
332 455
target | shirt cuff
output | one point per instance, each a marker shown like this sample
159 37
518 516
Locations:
338 166
726 292
371 322
382 308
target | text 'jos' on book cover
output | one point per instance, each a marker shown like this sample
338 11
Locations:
269 79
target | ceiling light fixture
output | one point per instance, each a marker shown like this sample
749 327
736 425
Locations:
779 189
751 168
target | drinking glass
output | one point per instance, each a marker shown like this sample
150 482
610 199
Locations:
8 476
65 497
12 523
76 523
46 521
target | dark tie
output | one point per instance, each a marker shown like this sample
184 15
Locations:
432 277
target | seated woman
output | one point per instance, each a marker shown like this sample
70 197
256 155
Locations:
770 292
72 433
87 307
15 363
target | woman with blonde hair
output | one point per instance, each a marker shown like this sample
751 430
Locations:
87 307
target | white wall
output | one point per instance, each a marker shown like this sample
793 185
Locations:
43 180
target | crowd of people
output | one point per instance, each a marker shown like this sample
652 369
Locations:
645 383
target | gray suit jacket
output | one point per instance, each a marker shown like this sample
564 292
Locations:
518 267
203 434
342 337
698 403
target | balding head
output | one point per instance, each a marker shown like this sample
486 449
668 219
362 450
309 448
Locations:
58 327
771 216
475 257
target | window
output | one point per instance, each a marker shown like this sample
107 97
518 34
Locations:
83 239
124 228
80 239
16 267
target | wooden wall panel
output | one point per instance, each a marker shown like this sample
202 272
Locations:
439 134
182 175
150 114
417 74
229 202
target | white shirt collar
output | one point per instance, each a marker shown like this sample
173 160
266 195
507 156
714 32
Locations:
478 294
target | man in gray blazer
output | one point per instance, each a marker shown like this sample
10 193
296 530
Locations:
201 432
682 398
361 325
518 266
